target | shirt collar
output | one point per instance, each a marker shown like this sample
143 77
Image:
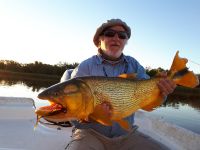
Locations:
101 60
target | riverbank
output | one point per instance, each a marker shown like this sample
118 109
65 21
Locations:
28 76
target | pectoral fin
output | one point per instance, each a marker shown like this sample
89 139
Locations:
101 116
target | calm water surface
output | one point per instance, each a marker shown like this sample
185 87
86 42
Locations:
183 112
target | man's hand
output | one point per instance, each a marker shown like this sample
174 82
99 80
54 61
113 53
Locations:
102 113
166 85
107 108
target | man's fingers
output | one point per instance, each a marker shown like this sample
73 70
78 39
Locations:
166 86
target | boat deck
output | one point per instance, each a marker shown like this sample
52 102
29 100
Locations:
21 135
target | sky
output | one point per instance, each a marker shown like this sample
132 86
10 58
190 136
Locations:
58 31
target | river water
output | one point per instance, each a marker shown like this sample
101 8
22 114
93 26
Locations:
183 112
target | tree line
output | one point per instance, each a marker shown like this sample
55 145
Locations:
36 67
41 68
57 69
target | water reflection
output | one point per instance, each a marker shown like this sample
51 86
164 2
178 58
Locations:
184 96
34 84
176 102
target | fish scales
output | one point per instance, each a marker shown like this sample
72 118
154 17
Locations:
124 95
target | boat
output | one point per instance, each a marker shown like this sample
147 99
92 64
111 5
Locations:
18 130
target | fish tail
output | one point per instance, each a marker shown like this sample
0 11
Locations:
181 74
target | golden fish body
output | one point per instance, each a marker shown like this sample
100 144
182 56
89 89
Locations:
83 96
124 95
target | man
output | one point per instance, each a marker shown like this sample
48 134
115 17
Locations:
110 39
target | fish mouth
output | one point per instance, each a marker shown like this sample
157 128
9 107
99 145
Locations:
51 111
55 112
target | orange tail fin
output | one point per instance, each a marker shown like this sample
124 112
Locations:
180 73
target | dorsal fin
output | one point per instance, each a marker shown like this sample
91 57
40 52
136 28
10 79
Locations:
128 76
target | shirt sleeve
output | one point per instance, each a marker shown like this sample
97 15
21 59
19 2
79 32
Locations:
66 75
82 69
141 73
138 68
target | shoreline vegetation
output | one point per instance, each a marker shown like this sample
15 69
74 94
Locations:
28 76
35 68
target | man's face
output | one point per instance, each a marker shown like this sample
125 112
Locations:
113 40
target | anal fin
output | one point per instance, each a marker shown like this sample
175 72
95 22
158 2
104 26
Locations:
124 124
154 104
153 101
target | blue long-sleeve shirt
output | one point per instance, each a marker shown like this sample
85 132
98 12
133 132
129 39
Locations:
98 66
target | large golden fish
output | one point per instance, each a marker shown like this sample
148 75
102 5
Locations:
82 97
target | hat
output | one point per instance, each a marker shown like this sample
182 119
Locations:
110 23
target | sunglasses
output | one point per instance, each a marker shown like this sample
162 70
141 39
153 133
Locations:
111 33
